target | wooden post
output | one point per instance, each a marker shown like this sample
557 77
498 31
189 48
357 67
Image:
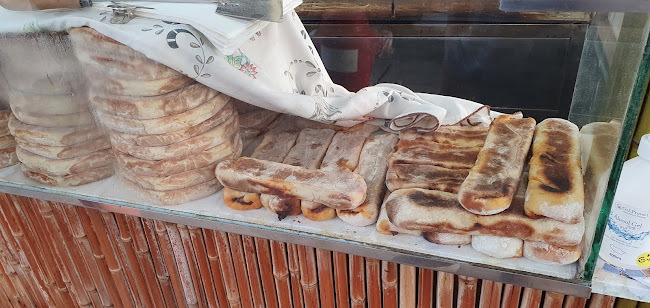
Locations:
407 287
389 282
511 295
426 288
266 272
531 298
341 279
373 282
281 273
445 294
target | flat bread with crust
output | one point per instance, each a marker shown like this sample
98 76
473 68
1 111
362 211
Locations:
64 152
436 211
8 157
491 184
54 120
5 115
555 187
174 181
498 246
337 189
384 225
75 179
167 124
342 153
549 254
432 177
151 107
65 166
59 136
177 196
447 238
428 153
372 167
115 86
230 149
460 136
175 137
7 141
197 144
50 104
274 147
49 83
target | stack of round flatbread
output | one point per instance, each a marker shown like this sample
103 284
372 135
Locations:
168 131
55 134
7 142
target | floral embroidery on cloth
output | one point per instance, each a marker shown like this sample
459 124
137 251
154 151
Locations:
241 62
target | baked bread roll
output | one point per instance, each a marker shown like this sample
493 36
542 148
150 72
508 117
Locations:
432 177
214 137
177 196
274 147
151 107
65 152
342 153
308 152
436 211
447 238
168 124
228 150
491 183
498 246
384 225
460 136
372 167
74 179
549 254
63 167
60 136
429 153
337 189
555 187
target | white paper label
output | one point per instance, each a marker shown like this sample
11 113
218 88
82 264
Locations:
340 60
627 238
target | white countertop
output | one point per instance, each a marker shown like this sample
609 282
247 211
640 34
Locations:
608 283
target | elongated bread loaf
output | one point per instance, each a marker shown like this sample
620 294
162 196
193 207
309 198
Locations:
429 153
491 183
432 177
555 187
372 167
498 246
308 152
228 150
342 153
447 238
461 136
274 147
167 124
65 152
337 189
216 136
143 108
549 254
384 225
157 140
59 136
429 210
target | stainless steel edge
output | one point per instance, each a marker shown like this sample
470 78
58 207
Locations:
315 240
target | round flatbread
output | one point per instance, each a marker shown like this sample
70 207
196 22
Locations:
174 181
168 124
177 136
76 179
8 157
49 83
7 141
197 144
227 150
59 120
143 108
64 166
59 136
116 86
177 196
49 104
131 68
65 152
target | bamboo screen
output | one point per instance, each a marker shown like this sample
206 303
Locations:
58 255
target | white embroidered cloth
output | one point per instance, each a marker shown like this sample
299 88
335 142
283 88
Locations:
277 68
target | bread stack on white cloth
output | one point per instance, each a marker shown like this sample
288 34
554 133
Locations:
58 141
469 185
168 131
